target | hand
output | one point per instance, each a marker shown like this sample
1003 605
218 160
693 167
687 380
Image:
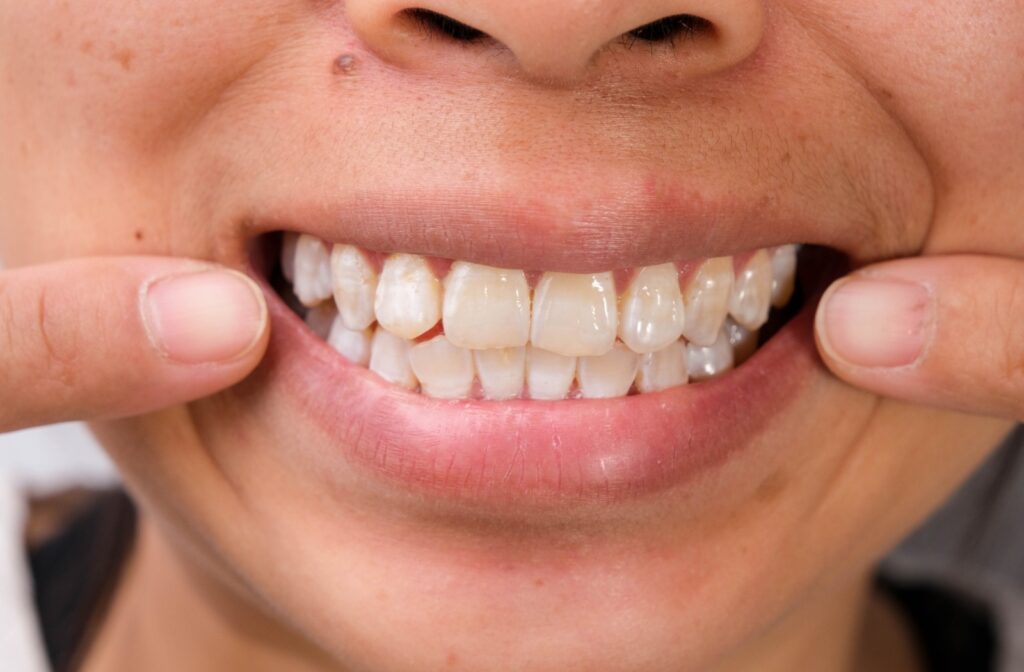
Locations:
113 337
945 331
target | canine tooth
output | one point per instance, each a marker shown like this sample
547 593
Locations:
663 369
711 360
312 270
783 274
320 319
608 375
288 242
752 292
548 374
486 307
652 309
742 340
355 285
389 359
707 300
445 371
408 301
502 372
574 314
355 345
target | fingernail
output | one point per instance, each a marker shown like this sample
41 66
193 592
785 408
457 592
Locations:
205 317
875 323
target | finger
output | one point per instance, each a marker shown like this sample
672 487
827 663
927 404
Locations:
945 331
112 337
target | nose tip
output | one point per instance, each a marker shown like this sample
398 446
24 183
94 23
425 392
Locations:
559 40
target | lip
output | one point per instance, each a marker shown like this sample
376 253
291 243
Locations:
534 453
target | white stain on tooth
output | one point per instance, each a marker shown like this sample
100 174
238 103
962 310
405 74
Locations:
355 286
608 375
752 292
783 274
742 340
355 345
707 300
652 309
663 369
389 359
709 361
574 315
486 307
312 270
549 375
502 372
408 300
445 371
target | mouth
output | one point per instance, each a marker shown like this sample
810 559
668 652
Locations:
489 385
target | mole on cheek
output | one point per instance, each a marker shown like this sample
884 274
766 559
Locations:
345 64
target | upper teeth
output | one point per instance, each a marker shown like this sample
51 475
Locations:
571 334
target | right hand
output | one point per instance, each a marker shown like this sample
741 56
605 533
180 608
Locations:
102 338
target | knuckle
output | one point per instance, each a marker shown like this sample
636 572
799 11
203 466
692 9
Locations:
36 351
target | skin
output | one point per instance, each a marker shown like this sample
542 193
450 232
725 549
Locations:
154 128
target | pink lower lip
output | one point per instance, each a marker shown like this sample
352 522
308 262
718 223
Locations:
530 452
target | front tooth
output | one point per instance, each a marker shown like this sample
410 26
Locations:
752 293
574 315
320 319
289 241
501 372
783 274
663 369
608 375
312 270
355 285
389 359
355 345
445 371
707 300
408 301
652 309
548 375
709 361
486 307
742 340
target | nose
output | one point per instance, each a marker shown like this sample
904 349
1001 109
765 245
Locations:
559 40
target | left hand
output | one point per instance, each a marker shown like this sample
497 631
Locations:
946 331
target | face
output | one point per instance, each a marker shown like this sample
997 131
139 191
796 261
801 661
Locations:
397 531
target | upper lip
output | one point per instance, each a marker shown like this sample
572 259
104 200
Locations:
589 229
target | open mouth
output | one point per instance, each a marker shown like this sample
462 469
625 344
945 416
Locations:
496 385
459 330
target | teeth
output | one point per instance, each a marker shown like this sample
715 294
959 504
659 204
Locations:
752 292
548 375
355 285
389 359
663 369
574 315
312 270
742 340
707 300
709 361
445 371
652 309
320 318
486 307
501 372
288 244
354 345
608 375
408 301
783 274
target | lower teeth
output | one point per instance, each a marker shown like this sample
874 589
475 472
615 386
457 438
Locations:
415 353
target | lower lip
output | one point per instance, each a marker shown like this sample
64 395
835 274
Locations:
535 452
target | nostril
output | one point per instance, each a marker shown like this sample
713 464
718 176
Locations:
440 24
670 28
